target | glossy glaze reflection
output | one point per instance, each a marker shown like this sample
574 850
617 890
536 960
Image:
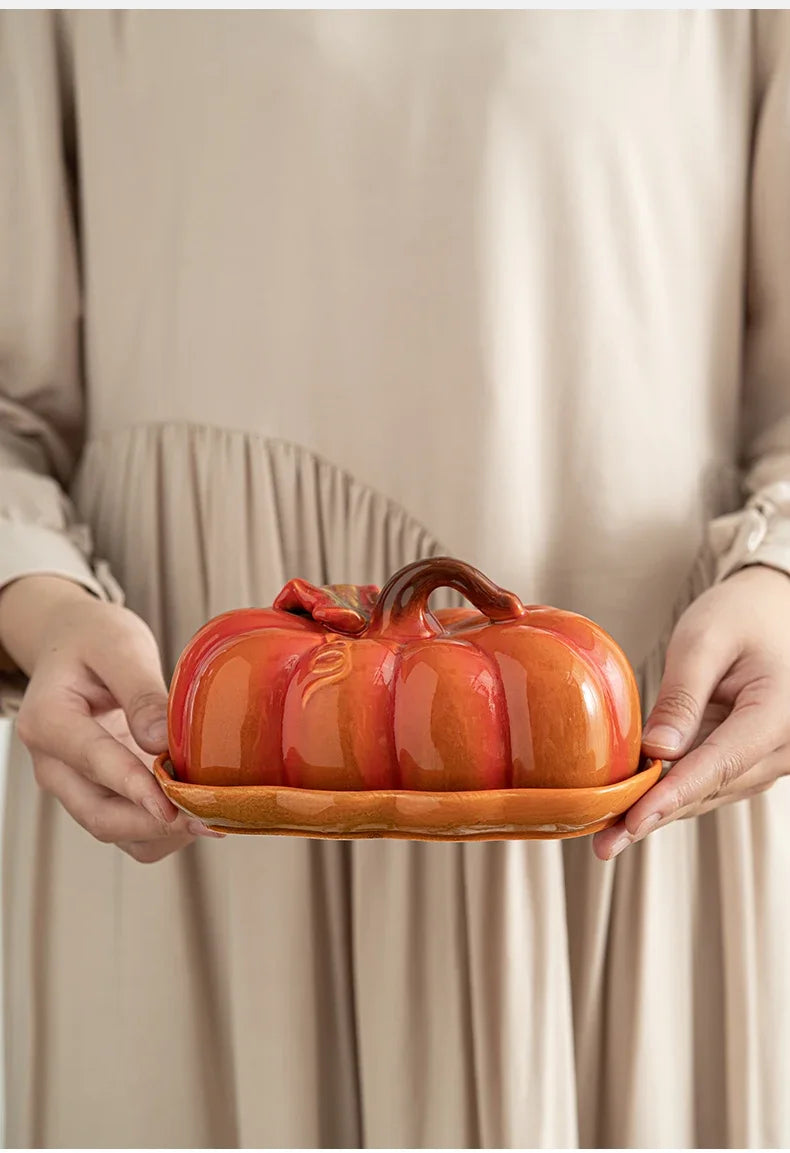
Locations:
344 688
486 815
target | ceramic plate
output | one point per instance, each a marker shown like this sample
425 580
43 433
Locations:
485 815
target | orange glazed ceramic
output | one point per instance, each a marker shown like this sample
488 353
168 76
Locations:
484 815
346 688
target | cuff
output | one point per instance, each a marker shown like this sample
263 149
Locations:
758 534
32 550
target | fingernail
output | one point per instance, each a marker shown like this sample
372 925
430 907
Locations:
198 829
156 809
648 824
157 733
663 737
622 842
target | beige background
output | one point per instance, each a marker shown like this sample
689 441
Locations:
5 734
392 284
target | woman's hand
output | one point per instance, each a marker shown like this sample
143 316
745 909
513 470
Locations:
723 710
95 706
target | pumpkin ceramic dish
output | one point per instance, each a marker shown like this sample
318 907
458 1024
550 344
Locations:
349 712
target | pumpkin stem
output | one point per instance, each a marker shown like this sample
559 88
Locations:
402 605
341 608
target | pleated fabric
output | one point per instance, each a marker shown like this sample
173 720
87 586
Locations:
277 992
464 282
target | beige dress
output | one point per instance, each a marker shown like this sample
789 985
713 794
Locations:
316 294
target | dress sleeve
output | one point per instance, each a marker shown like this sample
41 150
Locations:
760 532
41 398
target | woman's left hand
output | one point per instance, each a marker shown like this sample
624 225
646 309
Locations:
723 710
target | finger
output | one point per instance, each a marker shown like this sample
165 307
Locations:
115 723
609 842
60 728
714 715
759 778
149 852
719 802
106 816
750 733
109 818
612 841
132 671
694 666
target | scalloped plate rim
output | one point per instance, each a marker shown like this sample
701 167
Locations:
473 815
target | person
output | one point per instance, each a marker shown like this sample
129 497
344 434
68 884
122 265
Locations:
318 294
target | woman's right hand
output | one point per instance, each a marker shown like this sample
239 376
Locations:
95 713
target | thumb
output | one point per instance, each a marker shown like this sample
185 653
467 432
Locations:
132 671
693 669
146 712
